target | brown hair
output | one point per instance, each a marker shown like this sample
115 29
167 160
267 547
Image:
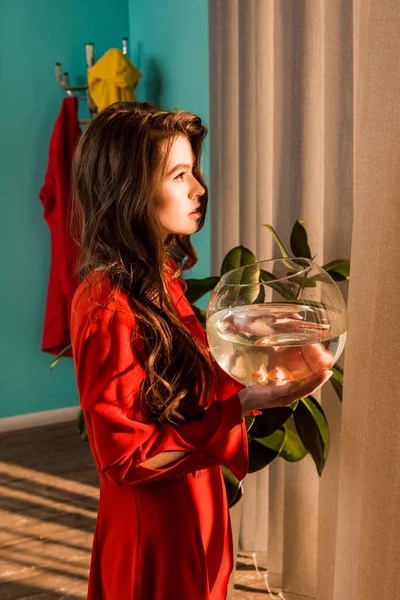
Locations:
117 167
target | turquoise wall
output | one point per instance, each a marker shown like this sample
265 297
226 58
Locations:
34 35
169 44
171 52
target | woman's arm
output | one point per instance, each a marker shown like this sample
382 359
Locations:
163 459
109 376
128 451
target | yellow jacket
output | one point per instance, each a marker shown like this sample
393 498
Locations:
113 78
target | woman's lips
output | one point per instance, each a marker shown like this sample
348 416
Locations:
195 215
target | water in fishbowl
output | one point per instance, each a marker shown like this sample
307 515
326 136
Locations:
272 344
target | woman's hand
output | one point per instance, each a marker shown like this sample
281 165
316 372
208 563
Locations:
258 397
306 361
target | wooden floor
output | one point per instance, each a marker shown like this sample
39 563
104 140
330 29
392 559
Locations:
48 502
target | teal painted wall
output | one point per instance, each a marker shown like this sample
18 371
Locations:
168 42
171 52
33 36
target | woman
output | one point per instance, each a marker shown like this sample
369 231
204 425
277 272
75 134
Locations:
161 416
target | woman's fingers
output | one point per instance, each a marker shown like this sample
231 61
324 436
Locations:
317 357
308 387
284 395
308 360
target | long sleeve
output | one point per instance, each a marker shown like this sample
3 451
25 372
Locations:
109 375
226 384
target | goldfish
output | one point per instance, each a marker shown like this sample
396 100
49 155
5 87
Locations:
277 376
265 341
261 376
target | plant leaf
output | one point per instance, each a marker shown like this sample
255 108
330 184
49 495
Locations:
196 288
303 281
337 380
268 278
248 276
237 257
269 421
320 418
299 240
313 430
233 486
82 427
293 449
265 450
339 269
282 248
62 353
261 296
249 422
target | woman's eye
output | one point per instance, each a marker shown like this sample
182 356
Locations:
180 176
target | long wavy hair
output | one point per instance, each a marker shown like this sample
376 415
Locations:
118 167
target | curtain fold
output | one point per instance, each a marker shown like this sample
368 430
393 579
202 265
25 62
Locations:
305 123
368 522
281 112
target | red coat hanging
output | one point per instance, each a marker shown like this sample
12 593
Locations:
56 199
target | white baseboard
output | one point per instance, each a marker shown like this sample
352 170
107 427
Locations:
46 417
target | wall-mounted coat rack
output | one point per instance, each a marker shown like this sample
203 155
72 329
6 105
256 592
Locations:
82 91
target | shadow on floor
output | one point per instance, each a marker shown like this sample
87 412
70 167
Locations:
21 591
54 449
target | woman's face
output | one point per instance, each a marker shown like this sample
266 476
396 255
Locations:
180 191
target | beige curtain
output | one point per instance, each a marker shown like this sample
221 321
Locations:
286 129
368 526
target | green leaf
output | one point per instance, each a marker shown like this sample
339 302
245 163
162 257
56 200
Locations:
268 278
233 487
248 276
340 371
303 281
293 449
249 423
259 456
237 257
313 430
337 380
261 296
62 353
339 269
200 314
299 240
198 287
302 262
320 418
82 427
282 248
265 450
269 421
274 441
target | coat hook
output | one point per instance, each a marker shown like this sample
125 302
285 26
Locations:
89 63
65 83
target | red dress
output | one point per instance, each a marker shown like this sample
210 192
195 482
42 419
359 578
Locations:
161 534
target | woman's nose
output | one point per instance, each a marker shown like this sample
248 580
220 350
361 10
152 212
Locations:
197 189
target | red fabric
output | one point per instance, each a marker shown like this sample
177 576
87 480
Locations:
55 196
161 534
